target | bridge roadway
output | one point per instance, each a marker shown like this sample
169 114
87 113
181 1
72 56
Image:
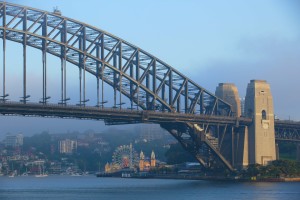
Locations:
113 115
285 130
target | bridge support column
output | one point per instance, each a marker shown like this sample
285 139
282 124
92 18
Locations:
259 106
242 147
277 152
239 140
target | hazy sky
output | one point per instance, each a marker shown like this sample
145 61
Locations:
209 41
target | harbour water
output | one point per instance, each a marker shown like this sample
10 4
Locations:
90 187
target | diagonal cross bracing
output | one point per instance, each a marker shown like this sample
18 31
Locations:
145 80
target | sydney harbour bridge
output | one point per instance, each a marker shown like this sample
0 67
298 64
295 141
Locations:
143 88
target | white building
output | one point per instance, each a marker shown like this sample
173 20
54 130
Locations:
67 146
13 140
243 106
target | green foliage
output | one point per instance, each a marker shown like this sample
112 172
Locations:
253 170
176 155
287 150
278 168
287 167
287 147
40 142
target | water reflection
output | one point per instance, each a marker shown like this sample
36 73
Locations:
89 187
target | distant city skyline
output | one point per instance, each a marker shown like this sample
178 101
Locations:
209 42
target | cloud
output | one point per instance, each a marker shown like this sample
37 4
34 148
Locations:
274 59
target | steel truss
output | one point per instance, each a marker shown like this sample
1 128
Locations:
287 131
202 141
148 82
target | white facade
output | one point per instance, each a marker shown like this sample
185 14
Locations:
67 146
13 140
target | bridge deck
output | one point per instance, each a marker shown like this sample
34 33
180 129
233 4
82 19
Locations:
285 130
109 114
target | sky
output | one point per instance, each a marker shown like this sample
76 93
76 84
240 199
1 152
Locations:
208 41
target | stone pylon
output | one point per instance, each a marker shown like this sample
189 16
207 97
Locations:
259 107
229 93
237 151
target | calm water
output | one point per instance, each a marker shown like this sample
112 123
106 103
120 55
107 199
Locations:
90 187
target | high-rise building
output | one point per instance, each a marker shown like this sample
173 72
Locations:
242 106
150 132
67 146
13 140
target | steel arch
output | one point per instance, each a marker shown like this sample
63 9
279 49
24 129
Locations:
148 82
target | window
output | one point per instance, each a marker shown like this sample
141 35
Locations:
263 114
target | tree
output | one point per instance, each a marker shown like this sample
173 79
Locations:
176 155
41 142
253 170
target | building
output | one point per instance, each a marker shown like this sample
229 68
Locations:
146 164
13 140
153 160
150 132
142 161
67 146
107 168
242 106
111 168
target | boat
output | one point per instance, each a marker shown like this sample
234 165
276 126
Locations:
42 174
12 174
24 174
103 174
76 174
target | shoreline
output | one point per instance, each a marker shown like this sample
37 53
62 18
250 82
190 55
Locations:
206 178
230 179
